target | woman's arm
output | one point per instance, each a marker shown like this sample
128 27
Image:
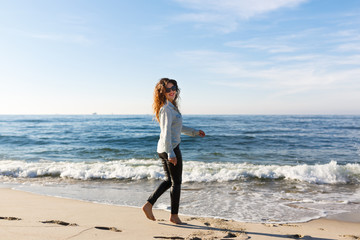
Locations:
192 132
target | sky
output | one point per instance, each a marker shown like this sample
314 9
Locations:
228 56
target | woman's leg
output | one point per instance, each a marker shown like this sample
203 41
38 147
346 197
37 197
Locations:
165 185
176 178
173 178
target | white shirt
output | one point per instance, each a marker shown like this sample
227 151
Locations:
171 128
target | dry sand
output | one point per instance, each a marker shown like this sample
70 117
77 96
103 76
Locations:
29 216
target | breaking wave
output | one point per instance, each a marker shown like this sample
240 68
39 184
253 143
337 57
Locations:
137 169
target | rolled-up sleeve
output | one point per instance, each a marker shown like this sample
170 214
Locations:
165 132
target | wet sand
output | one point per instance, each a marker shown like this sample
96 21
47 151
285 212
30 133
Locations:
30 216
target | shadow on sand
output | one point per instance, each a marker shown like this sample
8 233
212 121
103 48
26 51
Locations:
275 236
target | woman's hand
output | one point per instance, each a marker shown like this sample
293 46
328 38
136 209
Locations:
173 161
201 133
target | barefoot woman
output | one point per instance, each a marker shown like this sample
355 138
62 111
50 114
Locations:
166 110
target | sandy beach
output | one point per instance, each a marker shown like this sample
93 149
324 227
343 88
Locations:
29 216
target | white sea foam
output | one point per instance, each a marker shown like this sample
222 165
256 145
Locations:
135 169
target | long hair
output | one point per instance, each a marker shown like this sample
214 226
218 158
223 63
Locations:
160 98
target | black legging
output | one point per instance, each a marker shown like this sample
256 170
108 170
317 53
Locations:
172 179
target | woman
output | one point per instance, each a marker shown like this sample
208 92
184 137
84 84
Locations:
166 110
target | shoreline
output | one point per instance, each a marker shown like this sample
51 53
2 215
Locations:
25 215
353 217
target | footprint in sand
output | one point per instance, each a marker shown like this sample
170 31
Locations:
11 218
352 237
59 223
230 235
288 225
270 225
114 229
162 237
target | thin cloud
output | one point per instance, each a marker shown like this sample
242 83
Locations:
239 8
225 13
271 48
349 47
222 63
348 40
294 41
313 72
305 57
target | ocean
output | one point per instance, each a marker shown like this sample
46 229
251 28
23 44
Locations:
250 168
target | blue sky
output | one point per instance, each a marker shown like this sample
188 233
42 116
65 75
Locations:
229 56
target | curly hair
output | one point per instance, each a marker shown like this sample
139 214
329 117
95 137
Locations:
160 98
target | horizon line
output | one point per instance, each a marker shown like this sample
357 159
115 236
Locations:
202 114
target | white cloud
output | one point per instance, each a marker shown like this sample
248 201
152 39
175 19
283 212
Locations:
280 77
304 57
347 40
215 21
308 83
349 47
269 47
225 13
239 8
221 63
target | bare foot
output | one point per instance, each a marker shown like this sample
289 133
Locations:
174 218
147 208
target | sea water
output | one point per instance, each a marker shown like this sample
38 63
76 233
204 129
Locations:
253 168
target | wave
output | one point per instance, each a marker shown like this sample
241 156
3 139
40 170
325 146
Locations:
137 169
21 140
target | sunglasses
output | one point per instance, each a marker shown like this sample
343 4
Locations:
173 88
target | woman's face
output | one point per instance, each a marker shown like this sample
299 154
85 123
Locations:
171 91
